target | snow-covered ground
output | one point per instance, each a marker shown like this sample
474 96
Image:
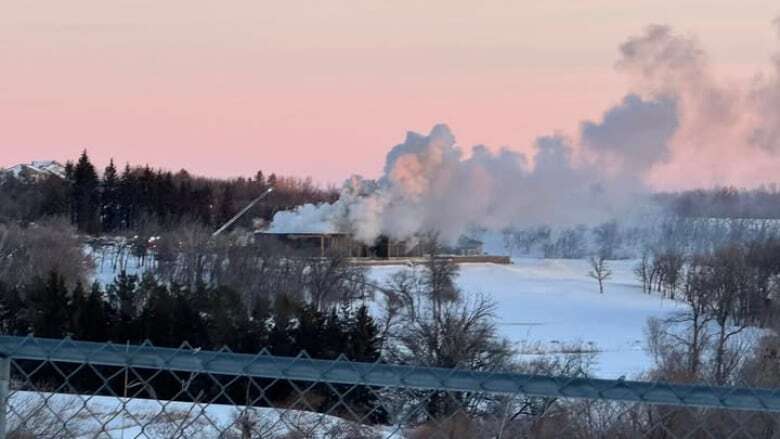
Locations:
548 306
110 260
85 416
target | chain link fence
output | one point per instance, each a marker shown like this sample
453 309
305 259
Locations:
68 389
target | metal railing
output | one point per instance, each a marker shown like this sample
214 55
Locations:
66 388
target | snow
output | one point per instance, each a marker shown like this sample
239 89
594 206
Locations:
110 260
87 416
37 168
551 306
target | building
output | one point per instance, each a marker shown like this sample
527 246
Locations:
313 244
343 244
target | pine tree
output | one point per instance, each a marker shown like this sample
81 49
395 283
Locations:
166 189
76 307
147 191
12 312
226 208
202 205
122 295
188 324
48 307
91 318
55 199
260 181
280 337
228 318
126 198
364 346
334 335
109 199
307 335
155 318
364 341
257 335
85 195
185 205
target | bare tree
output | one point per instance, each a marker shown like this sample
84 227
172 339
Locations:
332 279
523 416
35 251
429 322
599 270
644 272
668 266
728 281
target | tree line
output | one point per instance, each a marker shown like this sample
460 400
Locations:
741 278
135 198
132 310
724 202
726 293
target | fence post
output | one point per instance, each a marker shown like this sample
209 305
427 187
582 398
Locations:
5 381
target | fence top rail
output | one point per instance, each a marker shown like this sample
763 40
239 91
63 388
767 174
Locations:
342 371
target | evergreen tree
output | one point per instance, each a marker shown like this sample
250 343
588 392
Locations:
260 180
156 317
188 324
185 205
12 316
228 318
202 205
334 334
364 341
122 296
49 307
54 198
147 191
280 337
226 208
257 335
109 205
92 319
166 199
85 196
128 193
307 335
76 307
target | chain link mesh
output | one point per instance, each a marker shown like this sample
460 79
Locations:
69 389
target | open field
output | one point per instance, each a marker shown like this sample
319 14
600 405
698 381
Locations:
549 306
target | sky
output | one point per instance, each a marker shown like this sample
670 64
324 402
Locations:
326 88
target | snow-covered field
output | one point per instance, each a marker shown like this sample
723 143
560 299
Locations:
548 306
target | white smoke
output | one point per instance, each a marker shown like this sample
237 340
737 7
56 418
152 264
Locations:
678 123
729 131
430 185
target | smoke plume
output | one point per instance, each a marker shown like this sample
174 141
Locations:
678 127
729 131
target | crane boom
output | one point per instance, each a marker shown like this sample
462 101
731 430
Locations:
241 213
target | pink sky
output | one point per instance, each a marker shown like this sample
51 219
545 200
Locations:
324 88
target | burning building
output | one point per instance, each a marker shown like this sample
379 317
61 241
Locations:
342 244
316 245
